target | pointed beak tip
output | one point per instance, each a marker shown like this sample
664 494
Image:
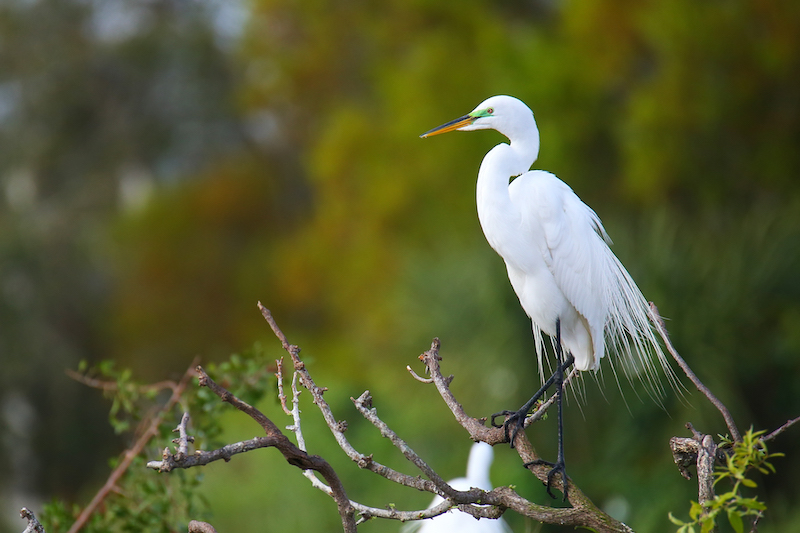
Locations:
449 126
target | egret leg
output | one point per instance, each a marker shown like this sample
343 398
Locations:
558 467
515 420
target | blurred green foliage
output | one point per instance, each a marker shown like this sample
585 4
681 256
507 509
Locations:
162 172
141 499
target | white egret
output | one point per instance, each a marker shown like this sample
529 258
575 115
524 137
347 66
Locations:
556 251
455 521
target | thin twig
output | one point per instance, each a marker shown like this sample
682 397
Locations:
655 317
113 385
364 406
281 394
545 405
417 376
781 429
297 428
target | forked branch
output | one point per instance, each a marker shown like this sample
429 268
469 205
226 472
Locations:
583 513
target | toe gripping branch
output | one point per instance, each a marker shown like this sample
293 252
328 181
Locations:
516 419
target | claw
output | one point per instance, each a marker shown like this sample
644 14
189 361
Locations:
513 418
503 414
556 468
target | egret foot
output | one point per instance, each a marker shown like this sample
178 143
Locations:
514 420
557 468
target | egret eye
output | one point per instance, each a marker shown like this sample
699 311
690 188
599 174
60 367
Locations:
490 110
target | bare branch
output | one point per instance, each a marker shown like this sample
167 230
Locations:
297 428
364 406
183 437
417 376
706 456
338 428
170 462
781 429
655 317
475 501
281 395
368 513
474 426
33 524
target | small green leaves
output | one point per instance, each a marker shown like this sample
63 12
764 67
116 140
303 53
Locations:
171 500
751 453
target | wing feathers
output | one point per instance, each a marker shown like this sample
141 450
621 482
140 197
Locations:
590 277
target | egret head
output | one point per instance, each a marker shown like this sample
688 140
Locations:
505 114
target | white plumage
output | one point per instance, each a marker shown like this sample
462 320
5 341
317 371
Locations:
556 251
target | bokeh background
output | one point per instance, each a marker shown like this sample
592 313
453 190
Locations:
165 164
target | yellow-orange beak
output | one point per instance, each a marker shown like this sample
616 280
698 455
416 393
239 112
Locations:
466 120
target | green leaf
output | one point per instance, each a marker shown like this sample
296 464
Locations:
726 497
675 521
695 511
735 520
749 483
752 503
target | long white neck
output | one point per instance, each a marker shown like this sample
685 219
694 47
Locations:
503 162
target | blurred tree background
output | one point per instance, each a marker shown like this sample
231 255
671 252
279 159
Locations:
165 164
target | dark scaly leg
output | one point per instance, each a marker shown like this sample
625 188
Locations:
558 467
516 419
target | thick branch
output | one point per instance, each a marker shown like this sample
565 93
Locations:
583 512
33 524
706 457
